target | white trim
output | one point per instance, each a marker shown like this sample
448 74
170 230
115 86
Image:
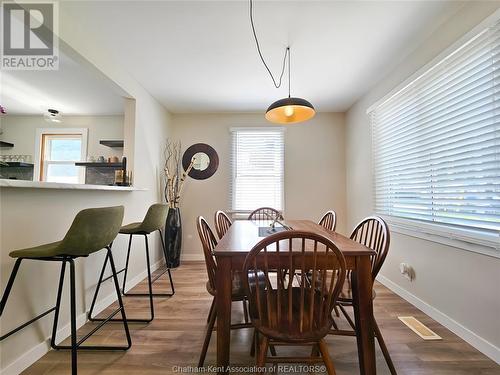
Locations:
486 243
38 351
484 346
435 61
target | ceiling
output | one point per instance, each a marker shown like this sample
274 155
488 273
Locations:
200 56
76 88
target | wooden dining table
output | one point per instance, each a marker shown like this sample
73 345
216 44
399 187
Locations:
243 235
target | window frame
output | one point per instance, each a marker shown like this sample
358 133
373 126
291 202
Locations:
242 214
40 169
476 240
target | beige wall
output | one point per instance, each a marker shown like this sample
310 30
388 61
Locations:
314 168
21 130
34 216
455 286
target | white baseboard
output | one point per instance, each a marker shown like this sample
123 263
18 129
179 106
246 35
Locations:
39 350
465 334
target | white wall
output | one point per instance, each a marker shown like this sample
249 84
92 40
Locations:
314 168
455 286
21 130
35 216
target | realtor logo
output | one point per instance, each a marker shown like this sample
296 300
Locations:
29 40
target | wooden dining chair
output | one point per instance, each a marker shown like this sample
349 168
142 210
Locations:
264 214
222 223
372 232
329 220
286 311
209 242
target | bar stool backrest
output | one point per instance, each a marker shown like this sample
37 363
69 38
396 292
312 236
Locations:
92 230
155 218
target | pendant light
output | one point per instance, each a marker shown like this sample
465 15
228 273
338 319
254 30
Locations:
288 110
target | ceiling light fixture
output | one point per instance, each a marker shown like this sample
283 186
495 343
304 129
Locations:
287 110
52 115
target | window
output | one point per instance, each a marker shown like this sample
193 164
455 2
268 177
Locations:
436 144
59 150
257 168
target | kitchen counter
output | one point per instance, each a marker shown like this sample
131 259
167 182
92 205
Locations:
56 185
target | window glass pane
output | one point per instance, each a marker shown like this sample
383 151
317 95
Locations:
62 173
65 149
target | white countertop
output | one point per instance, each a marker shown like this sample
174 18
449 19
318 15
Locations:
57 185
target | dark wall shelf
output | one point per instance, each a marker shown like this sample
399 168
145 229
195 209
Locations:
109 143
17 164
6 144
99 165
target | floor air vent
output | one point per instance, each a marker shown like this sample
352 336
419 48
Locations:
419 328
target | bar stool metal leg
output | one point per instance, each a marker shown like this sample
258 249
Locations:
8 288
72 292
58 304
126 264
120 309
6 294
166 270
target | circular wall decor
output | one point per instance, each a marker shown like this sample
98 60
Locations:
206 161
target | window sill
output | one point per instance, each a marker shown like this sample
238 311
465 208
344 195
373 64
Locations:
56 185
489 245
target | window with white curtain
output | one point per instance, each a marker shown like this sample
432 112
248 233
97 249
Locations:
436 144
257 161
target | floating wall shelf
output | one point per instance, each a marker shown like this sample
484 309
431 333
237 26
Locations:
99 165
109 143
16 164
6 144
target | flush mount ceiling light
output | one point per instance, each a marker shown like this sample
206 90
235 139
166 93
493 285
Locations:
52 115
287 110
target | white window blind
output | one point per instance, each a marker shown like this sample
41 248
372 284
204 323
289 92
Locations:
436 142
257 168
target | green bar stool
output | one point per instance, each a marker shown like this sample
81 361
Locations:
92 229
153 221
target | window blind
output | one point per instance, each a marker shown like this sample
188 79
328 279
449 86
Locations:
257 162
436 142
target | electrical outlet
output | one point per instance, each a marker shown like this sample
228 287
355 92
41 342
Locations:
407 271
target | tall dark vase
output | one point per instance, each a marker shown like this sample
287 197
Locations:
173 237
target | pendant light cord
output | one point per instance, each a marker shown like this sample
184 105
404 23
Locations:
287 53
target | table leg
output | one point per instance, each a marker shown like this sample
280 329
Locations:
223 304
362 285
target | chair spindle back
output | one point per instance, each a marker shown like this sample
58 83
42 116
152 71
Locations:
297 306
208 242
329 220
265 214
373 232
222 223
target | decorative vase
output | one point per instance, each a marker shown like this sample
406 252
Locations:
173 237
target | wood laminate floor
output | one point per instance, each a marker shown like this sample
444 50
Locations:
175 338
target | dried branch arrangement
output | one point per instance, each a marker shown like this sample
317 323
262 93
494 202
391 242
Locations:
175 176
